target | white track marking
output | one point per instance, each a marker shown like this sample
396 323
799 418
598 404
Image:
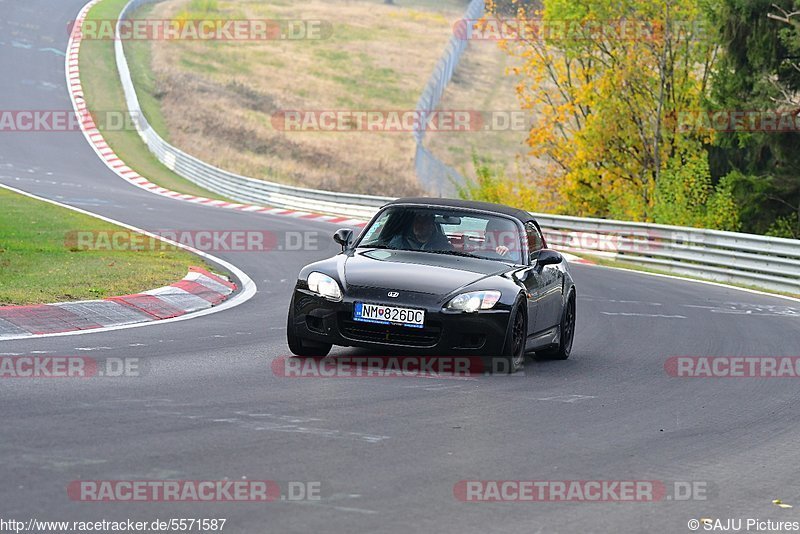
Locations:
629 314
569 399
695 281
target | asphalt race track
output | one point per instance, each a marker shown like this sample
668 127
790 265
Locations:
387 452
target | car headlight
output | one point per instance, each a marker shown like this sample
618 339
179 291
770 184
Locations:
474 301
324 285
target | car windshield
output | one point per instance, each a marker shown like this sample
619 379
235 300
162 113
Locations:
445 231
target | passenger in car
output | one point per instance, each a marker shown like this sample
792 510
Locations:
501 238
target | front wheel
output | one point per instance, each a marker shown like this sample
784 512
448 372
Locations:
513 357
562 351
302 347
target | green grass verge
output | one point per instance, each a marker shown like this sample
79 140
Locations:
41 264
103 92
606 262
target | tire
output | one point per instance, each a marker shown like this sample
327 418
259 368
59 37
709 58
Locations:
302 347
513 357
567 336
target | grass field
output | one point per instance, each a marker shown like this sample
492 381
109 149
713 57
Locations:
40 263
481 84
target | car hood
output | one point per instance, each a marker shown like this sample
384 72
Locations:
423 272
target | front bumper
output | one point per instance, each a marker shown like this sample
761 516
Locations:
444 332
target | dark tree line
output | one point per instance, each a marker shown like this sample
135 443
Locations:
759 70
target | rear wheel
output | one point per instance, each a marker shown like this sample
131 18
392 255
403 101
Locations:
303 347
562 351
513 357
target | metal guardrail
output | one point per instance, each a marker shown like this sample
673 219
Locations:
767 262
759 261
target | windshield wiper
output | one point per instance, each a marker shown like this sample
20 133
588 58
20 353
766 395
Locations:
379 246
455 253
450 252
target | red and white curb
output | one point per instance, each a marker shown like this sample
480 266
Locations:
199 290
106 153
572 259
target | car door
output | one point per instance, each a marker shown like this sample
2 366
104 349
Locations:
549 281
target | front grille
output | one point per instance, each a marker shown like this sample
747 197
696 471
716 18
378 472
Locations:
389 334
413 299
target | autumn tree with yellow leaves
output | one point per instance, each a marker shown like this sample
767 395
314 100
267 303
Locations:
606 82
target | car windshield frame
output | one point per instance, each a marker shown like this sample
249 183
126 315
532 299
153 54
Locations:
515 259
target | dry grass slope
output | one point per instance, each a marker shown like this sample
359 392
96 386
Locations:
377 58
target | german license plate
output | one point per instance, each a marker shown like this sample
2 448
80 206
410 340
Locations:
378 313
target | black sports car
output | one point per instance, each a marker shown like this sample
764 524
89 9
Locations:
438 276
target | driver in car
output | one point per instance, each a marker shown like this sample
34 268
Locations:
423 234
498 234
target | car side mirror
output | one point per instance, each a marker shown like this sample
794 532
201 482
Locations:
548 257
343 236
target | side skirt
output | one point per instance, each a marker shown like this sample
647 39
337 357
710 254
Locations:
541 340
